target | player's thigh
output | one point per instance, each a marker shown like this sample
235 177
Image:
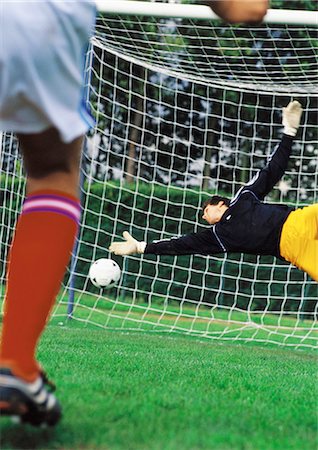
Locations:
45 153
312 217
307 259
303 223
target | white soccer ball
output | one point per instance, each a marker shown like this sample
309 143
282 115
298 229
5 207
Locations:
104 273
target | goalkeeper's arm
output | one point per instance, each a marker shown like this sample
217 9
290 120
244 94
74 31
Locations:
204 243
239 11
265 179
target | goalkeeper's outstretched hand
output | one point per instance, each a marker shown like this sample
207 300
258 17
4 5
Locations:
128 247
291 118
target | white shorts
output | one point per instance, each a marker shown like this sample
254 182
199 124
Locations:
42 57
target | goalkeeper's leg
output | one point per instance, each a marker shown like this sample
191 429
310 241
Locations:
307 259
299 240
40 251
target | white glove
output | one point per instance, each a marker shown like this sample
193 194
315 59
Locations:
291 118
128 247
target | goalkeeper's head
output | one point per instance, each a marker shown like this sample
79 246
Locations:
214 208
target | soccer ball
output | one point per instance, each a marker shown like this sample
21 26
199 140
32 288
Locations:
104 273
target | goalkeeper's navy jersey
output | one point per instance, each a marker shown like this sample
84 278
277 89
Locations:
248 225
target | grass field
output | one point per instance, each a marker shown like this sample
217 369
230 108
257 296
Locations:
127 391
210 322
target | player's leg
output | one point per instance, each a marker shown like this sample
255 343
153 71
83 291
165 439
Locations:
299 240
308 258
41 88
41 247
307 221
51 163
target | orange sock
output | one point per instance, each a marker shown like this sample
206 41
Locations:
40 252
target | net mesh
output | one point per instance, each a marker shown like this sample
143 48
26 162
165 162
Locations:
185 109
278 58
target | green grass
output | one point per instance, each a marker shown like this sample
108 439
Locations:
222 323
127 391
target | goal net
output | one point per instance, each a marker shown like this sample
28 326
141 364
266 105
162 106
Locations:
186 108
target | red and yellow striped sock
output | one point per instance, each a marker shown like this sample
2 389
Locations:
41 248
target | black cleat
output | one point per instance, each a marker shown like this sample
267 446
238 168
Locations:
32 402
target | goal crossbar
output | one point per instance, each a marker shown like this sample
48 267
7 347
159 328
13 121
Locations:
198 12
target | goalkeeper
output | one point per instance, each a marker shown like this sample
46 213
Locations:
246 224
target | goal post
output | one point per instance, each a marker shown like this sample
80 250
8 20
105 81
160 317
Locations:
186 107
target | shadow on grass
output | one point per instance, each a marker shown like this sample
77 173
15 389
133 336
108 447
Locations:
14 436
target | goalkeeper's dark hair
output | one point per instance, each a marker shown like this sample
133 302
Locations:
214 200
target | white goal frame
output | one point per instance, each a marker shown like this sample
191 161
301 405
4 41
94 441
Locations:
198 12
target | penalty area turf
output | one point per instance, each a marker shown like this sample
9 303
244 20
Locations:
143 391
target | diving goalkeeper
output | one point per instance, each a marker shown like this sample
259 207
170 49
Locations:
246 224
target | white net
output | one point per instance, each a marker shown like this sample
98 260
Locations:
184 110
278 58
